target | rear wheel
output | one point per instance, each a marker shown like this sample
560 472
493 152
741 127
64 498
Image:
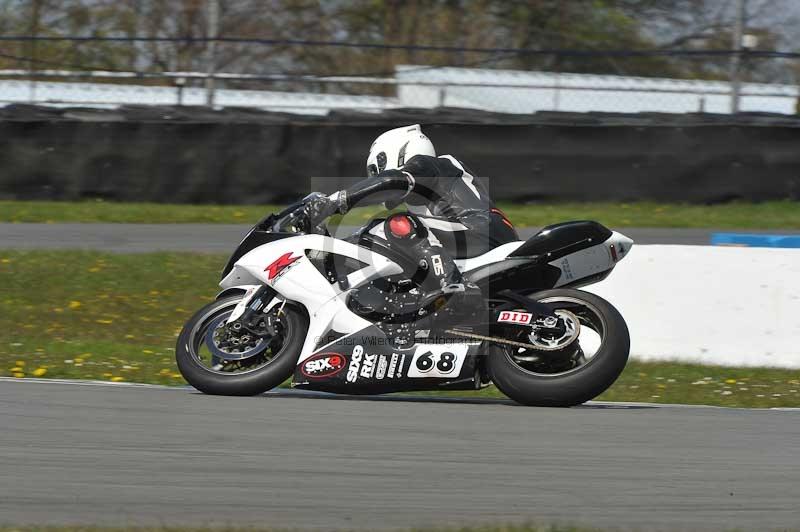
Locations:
572 368
210 362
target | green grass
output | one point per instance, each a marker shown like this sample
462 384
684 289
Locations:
767 215
87 315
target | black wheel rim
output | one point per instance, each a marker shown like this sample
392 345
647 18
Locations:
574 357
263 353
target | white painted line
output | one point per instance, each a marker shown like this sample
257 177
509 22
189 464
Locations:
288 392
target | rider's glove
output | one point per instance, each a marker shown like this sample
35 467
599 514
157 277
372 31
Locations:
320 208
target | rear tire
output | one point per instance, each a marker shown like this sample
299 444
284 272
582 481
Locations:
573 387
279 368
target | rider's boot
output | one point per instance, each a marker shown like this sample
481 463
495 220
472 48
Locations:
460 297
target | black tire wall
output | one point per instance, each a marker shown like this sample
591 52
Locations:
194 155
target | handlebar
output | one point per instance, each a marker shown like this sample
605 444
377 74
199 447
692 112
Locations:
294 219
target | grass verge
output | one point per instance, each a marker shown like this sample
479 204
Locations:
767 215
89 315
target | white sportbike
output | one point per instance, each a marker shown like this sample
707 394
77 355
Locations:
351 316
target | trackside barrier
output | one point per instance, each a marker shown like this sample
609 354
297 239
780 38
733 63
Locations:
729 306
755 240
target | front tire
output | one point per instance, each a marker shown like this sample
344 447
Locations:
571 386
268 372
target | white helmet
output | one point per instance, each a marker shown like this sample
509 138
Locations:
393 148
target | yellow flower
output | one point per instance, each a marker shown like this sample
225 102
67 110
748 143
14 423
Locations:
74 305
104 322
21 363
38 372
730 381
18 374
5 261
117 379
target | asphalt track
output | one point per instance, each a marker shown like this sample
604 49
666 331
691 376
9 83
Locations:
220 238
125 455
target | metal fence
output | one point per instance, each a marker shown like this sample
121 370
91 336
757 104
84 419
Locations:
505 91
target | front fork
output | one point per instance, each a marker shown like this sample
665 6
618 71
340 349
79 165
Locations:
249 316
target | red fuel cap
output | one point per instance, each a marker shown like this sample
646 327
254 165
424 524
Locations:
400 226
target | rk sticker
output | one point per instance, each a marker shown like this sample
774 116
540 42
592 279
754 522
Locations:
515 317
323 365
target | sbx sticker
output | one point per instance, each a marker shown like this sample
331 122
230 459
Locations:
355 364
323 365
515 317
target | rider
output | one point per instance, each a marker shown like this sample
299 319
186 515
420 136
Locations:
451 202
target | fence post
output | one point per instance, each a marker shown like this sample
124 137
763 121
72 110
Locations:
212 14
736 59
36 14
180 83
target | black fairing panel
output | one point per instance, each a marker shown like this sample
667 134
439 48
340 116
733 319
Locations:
556 241
254 239
516 273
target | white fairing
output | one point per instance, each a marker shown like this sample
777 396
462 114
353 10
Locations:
299 280
496 255
593 260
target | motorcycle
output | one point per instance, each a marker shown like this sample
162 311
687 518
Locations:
351 316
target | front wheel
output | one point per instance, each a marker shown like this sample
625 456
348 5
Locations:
582 369
254 365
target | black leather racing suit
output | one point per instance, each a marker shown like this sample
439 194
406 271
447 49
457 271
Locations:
453 203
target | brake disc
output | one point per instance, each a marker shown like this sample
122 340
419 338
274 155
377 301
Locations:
237 347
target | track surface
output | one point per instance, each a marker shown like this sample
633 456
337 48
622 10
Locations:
121 455
216 238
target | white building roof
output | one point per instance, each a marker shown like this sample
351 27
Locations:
112 95
514 91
